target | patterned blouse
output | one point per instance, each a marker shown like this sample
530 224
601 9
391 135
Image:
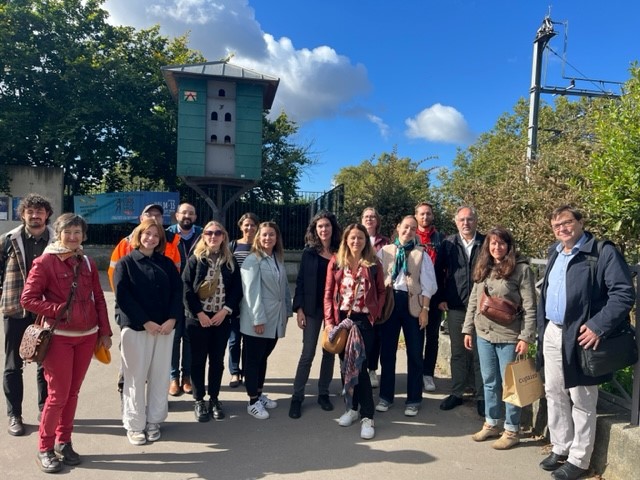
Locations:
347 287
216 302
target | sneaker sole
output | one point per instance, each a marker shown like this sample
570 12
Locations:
382 408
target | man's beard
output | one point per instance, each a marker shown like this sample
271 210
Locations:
186 224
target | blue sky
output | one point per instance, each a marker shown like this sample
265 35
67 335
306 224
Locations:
360 77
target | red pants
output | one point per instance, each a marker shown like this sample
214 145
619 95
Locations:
65 367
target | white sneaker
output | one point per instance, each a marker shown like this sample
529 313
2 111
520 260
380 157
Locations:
347 418
410 411
257 411
136 437
373 376
267 402
383 406
366 430
153 432
429 384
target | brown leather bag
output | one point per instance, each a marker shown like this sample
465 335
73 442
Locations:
499 310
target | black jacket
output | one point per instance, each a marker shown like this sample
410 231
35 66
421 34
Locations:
310 277
602 306
147 289
454 272
194 274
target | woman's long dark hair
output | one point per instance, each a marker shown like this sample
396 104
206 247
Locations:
486 263
311 237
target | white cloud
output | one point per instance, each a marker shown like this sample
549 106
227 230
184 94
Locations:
314 83
382 127
439 123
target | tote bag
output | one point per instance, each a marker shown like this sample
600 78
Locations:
522 383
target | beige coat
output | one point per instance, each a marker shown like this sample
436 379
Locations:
520 289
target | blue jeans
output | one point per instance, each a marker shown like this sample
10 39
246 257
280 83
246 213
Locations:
493 361
235 347
414 341
181 336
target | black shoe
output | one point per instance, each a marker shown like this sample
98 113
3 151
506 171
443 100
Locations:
16 427
295 410
201 411
215 408
569 471
48 462
66 454
325 403
450 402
480 407
553 462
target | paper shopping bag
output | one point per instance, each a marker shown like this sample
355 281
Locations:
522 383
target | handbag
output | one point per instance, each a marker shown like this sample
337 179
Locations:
340 339
499 310
389 305
207 289
614 352
522 384
36 338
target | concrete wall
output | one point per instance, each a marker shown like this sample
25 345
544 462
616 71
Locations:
48 182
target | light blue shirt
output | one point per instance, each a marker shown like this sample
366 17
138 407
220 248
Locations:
556 299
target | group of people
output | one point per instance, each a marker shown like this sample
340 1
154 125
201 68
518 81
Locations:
185 295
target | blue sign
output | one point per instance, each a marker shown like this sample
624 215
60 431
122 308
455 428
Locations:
123 207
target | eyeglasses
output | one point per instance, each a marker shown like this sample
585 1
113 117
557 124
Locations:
215 233
558 226
466 220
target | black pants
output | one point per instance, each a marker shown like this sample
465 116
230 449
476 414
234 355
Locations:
363 393
12 382
209 342
433 340
255 352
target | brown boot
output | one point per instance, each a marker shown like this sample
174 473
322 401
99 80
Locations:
507 440
174 388
186 385
487 432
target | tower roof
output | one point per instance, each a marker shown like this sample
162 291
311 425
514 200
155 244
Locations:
221 70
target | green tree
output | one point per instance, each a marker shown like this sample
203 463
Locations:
78 93
614 172
391 184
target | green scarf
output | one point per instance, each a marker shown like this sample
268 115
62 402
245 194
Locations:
401 257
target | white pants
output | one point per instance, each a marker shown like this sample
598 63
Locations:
146 362
571 412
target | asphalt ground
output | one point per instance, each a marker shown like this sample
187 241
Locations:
435 444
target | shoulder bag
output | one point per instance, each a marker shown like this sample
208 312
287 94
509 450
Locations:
340 338
499 310
36 338
614 352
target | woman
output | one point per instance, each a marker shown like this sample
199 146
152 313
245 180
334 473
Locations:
353 298
148 305
323 240
240 248
507 275
264 311
372 222
212 292
409 270
83 325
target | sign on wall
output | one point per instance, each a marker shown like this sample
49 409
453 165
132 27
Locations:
123 207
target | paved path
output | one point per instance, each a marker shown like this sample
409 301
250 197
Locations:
434 444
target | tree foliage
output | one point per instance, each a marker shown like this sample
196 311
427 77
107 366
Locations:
614 172
391 184
78 93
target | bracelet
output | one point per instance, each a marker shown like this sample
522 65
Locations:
425 308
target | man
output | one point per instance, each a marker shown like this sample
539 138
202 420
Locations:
185 234
454 266
572 314
431 239
19 248
123 248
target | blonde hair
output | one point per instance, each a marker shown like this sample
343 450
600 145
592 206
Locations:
344 252
203 251
143 227
278 248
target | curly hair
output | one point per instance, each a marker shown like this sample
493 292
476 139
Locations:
311 237
486 264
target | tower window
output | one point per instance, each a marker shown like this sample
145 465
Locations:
227 117
214 116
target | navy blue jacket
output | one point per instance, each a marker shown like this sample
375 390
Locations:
602 307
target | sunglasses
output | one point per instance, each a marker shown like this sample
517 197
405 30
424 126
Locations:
215 233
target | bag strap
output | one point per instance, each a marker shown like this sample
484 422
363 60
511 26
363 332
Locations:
72 293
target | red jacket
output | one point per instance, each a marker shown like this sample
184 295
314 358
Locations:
47 289
373 298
